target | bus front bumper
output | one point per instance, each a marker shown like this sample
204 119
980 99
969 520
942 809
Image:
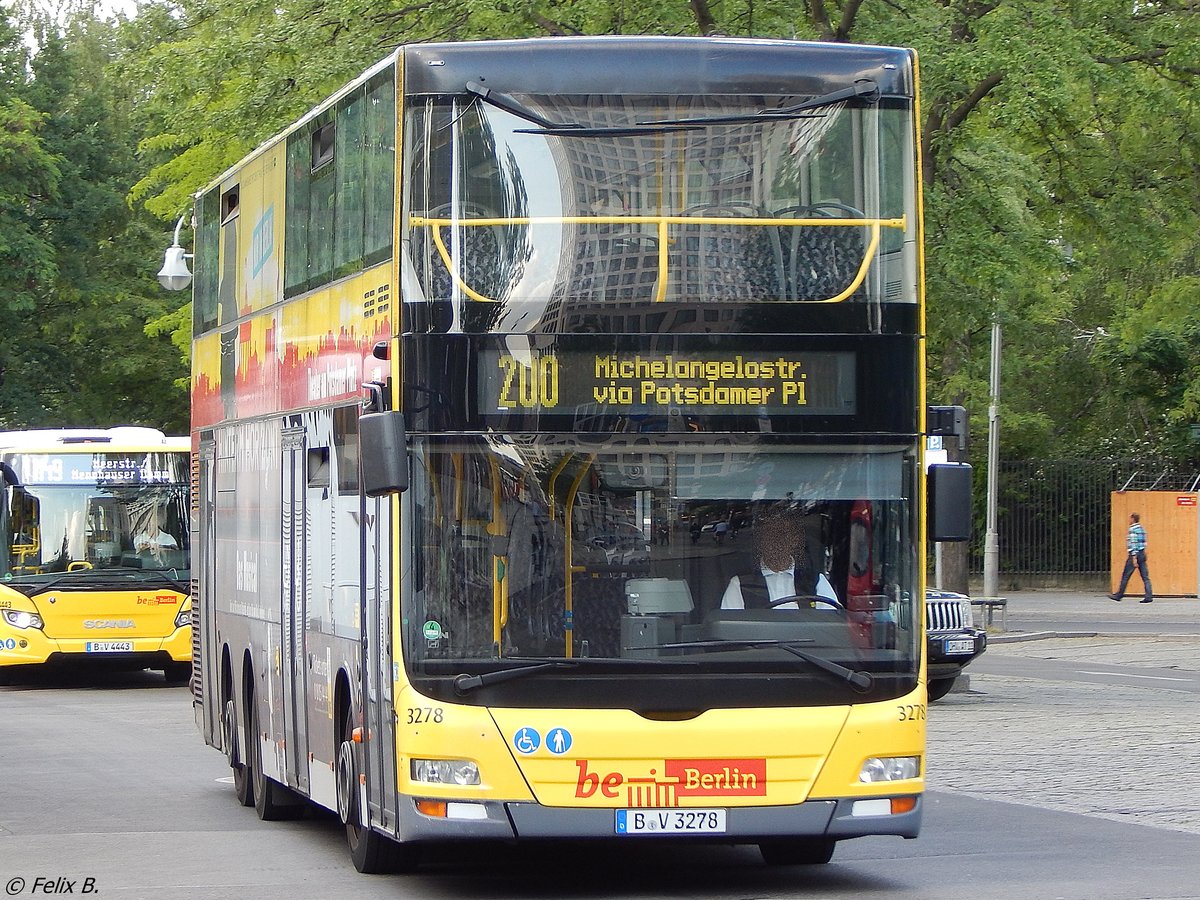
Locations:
31 647
494 820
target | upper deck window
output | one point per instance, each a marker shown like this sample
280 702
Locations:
340 185
646 199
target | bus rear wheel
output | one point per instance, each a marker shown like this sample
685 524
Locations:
272 800
797 851
241 778
371 852
177 672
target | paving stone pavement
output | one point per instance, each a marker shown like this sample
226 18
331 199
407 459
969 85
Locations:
1126 753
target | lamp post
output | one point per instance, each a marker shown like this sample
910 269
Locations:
174 275
991 541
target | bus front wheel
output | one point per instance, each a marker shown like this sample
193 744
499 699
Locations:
372 853
939 688
177 673
797 852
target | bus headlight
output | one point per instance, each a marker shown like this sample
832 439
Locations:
890 768
183 617
19 618
445 771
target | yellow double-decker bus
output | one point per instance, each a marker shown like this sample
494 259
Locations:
94 547
559 408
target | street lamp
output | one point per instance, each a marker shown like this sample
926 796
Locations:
991 540
174 275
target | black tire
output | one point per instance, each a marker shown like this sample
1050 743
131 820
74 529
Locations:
242 786
371 852
273 801
940 687
798 851
177 672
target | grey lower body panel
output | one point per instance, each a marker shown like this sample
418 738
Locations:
532 821
814 818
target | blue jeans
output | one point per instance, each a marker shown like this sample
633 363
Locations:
1138 560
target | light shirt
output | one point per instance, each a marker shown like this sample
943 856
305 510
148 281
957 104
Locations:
160 541
779 584
1136 539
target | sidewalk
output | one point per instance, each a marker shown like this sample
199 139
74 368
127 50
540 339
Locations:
1047 613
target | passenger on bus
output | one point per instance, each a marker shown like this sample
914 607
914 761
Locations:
153 539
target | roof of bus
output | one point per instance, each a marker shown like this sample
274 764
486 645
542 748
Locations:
647 64
121 439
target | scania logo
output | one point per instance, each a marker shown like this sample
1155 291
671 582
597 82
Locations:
108 623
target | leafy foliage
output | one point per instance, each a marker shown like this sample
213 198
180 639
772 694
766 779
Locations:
77 289
1060 159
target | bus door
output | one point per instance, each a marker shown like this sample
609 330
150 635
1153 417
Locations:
294 469
379 707
204 580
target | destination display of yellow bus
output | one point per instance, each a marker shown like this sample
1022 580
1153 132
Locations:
94 550
560 418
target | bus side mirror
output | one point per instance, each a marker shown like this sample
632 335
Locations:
949 499
383 453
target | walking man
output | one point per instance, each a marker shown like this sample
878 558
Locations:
1135 542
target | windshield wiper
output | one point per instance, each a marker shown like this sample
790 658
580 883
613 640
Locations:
464 683
610 131
864 88
514 107
94 579
859 680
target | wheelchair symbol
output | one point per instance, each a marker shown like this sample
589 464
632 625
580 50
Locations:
527 740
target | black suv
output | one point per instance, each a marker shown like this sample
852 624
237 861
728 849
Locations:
951 639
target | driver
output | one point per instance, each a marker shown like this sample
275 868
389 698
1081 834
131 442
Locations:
782 571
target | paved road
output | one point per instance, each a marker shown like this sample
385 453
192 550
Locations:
1043 783
1102 722
113 783
1037 612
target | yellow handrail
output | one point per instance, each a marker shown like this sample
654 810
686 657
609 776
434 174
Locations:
571 569
661 223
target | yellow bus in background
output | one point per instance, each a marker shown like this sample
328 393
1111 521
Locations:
94 549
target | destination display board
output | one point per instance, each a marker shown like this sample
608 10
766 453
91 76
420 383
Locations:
99 468
569 382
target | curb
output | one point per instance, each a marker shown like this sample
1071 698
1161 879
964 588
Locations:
1038 636
1021 637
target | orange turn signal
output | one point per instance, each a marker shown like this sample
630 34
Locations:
435 808
903 805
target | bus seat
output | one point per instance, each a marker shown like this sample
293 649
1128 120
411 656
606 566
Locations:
479 259
820 262
727 262
612 266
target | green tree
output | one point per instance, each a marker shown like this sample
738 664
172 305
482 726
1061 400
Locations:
1050 202
79 352
28 174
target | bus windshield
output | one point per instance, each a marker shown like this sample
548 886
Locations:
77 513
738 206
661 555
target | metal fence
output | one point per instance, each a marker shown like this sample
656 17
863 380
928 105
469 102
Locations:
1054 517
